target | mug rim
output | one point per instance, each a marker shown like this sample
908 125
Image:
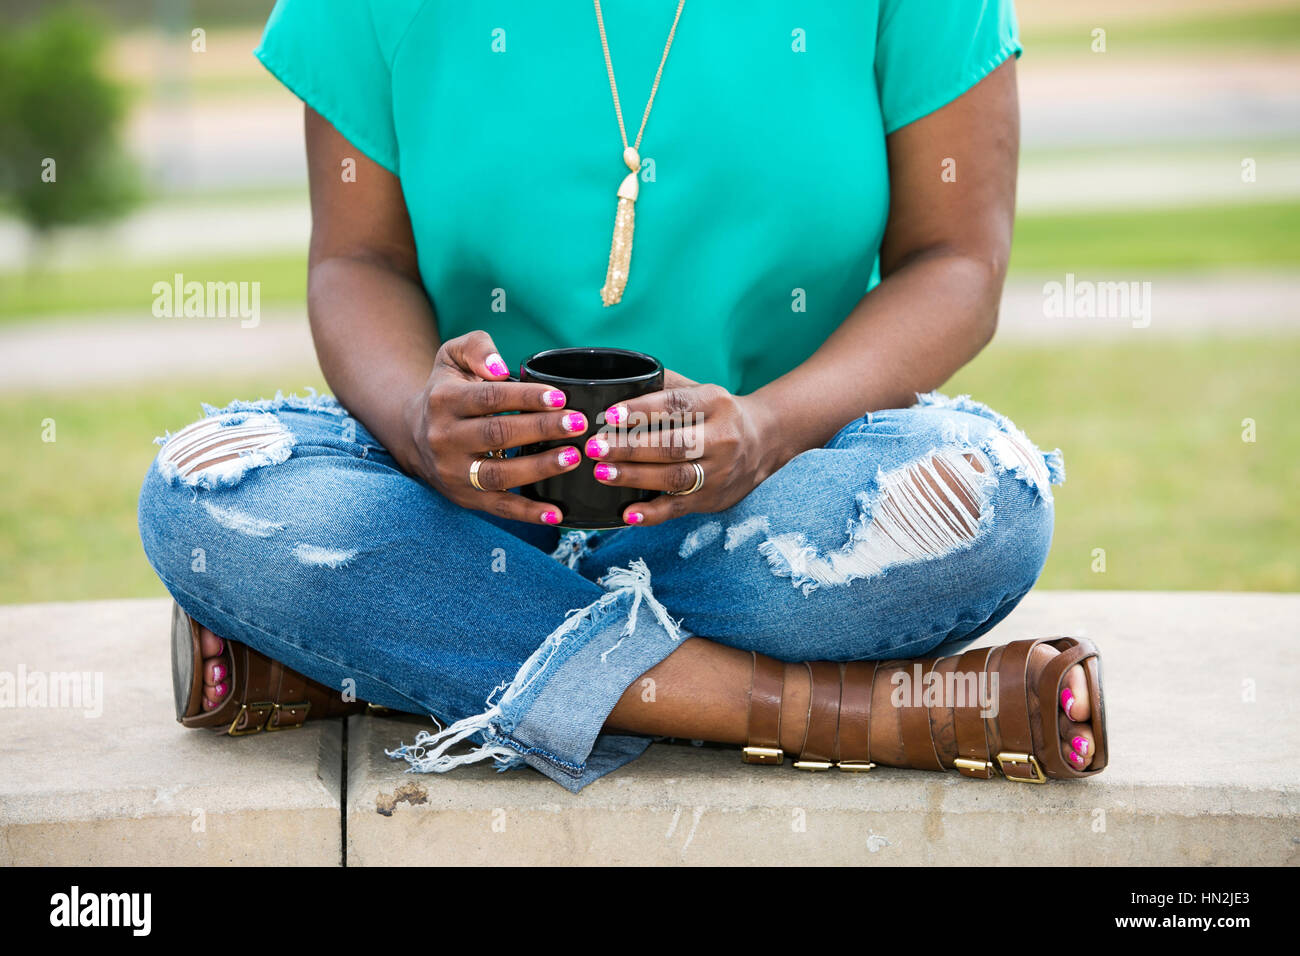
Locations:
656 369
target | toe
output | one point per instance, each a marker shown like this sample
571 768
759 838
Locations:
1074 695
212 696
215 671
209 644
1077 743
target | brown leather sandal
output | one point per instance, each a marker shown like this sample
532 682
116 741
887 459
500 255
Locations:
839 725
264 694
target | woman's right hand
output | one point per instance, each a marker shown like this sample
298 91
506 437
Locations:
456 419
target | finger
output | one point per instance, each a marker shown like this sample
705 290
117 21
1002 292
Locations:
678 406
472 399
515 507
678 477
677 379
500 474
475 354
668 445
661 509
511 431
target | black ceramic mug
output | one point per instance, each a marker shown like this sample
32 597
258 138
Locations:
592 380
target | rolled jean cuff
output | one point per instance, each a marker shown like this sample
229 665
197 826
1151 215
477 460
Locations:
550 714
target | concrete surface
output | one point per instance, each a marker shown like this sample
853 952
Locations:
1203 727
131 786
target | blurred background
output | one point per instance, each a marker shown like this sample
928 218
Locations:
1161 145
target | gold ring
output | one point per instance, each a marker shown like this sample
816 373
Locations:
473 473
699 481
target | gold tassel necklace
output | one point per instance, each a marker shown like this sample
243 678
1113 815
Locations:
620 250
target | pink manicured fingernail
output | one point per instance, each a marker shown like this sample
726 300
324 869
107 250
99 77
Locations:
220 689
597 447
575 422
551 517
634 517
569 456
606 472
1080 745
496 365
218 672
1067 701
616 414
554 398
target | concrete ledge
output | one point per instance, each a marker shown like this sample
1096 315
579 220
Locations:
132 786
1203 723
1204 771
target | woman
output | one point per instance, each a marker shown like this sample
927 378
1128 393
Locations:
822 218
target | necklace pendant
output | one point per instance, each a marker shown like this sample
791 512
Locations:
620 250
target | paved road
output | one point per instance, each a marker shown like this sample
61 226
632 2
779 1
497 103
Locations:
123 349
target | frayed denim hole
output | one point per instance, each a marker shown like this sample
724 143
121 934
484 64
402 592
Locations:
217 451
921 511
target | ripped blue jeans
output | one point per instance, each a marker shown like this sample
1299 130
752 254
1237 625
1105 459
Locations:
286 526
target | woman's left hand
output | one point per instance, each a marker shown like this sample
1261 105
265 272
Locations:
656 440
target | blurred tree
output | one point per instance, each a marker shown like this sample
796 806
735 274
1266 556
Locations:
61 160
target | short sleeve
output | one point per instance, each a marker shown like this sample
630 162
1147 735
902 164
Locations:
929 52
331 55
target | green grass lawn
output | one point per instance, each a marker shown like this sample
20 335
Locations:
1231 31
1151 430
1254 236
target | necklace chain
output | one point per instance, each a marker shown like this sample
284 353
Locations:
613 85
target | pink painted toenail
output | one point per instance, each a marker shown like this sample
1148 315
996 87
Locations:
1075 758
218 672
207 704
220 689
1080 745
551 517
1067 702
221 645
634 517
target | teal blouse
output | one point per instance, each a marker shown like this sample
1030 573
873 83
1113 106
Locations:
765 186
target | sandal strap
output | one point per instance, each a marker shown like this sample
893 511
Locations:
858 682
822 728
1013 698
919 749
974 755
763 723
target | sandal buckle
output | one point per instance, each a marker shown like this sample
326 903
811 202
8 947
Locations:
1025 760
813 765
772 756
273 721
261 712
983 769
856 766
